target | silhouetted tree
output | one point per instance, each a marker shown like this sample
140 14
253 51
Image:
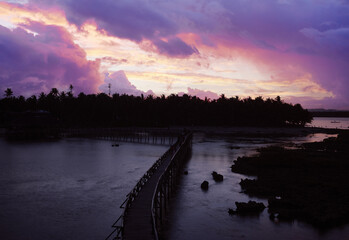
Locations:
70 92
71 88
124 110
8 92
54 92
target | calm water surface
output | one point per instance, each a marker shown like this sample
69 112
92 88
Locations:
72 189
197 214
67 189
328 122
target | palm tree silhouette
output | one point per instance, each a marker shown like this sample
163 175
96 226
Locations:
8 93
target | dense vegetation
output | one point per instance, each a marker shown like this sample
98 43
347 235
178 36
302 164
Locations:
123 110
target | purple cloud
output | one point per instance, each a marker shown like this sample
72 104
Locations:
310 36
120 84
33 63
330 40
175 47
200 93
265 24
135 20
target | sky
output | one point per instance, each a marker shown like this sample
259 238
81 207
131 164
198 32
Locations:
296 49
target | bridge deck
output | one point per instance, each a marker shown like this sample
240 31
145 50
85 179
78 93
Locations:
138 221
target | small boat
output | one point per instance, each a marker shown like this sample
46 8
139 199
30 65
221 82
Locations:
115 145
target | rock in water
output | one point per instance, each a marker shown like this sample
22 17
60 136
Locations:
204 185
250 208
217 177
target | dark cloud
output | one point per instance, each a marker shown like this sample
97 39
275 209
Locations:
265 24
175 47
33 63
135 20
308 35
123 18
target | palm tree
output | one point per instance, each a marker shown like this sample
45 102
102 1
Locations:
8 92
70 92
71 88
54 92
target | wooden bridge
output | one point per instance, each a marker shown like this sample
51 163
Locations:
145 205
154 136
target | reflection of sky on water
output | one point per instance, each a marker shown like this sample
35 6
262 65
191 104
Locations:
196 214
69 189
72 189
327 122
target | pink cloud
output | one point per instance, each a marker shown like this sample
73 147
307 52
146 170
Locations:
288 38
135 20
33 63
200 93
120 84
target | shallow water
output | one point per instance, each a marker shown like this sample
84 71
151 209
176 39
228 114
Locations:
72 189
67 189
196 214
330 122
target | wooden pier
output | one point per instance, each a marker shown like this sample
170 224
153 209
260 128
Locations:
145 206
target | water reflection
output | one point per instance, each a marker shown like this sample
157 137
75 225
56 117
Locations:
330 122
70 189
197 214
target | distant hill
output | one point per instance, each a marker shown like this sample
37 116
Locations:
328 113
323 110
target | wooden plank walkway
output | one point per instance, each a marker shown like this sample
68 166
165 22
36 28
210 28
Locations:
138 221
145 205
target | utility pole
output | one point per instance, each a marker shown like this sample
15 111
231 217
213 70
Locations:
109 86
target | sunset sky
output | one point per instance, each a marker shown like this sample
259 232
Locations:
296 49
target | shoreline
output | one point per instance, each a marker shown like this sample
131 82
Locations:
308 184
244 131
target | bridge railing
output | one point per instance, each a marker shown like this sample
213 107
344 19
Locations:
166 182
118 225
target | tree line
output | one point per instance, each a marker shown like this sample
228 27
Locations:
102 110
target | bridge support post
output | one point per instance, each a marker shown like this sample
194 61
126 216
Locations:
160 206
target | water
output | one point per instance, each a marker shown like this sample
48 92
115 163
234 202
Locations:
67 189
196 214
72 189
330 122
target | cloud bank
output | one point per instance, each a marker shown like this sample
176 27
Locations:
119 83
135 20
284 39
31 63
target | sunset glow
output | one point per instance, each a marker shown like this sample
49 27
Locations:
292 49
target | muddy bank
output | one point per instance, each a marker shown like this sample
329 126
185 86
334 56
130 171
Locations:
309 184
